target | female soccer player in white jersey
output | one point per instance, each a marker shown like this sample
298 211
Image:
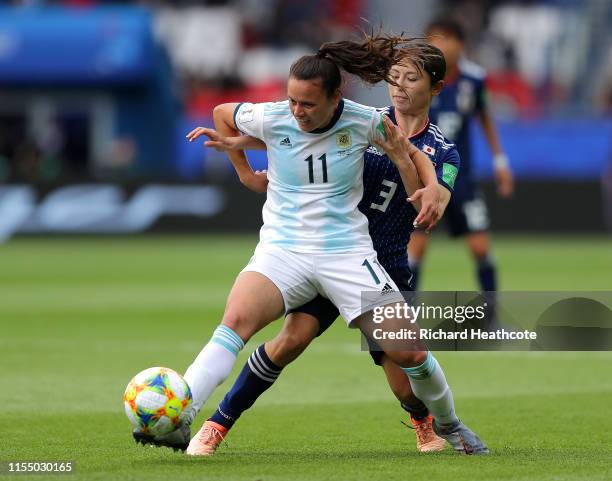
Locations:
386 179
314 239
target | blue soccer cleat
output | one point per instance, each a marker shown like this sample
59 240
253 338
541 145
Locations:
461 438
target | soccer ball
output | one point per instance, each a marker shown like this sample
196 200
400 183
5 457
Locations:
156 400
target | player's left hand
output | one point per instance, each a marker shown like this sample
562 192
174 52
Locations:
429 214
505 181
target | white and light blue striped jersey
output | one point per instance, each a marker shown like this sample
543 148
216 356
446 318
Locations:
315 178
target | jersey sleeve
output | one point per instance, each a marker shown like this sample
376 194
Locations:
249 119
448 168
377 127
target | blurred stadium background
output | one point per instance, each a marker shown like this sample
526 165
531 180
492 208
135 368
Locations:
95 101
96 98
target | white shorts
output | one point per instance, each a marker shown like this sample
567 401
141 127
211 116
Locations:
355 282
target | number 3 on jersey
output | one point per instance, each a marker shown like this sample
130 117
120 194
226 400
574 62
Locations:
386 193
323 159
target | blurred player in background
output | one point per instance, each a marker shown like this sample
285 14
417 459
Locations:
463 98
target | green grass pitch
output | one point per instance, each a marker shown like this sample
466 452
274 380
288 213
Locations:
79 317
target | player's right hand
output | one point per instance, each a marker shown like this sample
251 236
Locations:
395 144
217 141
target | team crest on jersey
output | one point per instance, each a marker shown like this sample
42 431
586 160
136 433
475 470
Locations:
429 150
344 140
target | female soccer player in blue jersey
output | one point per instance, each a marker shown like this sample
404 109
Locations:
387 179
462 100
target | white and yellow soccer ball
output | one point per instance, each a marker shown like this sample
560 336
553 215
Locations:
156 400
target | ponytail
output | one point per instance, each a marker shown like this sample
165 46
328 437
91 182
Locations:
369 60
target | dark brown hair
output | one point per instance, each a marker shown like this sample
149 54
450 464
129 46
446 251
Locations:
369 60
426 58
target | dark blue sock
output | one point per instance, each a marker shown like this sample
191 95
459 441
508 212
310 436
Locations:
417 410
257 375
487 274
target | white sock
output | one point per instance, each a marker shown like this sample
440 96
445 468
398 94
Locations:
429 385
212 366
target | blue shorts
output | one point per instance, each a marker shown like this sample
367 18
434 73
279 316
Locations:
466 212
326 313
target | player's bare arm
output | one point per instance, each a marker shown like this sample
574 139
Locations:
501 168
258 180
419 158
419 175
223 116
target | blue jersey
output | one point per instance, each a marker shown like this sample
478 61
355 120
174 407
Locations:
390 215
452 110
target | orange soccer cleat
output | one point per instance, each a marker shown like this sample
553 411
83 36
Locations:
426 439
207 439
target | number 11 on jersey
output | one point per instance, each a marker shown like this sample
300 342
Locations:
323 159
